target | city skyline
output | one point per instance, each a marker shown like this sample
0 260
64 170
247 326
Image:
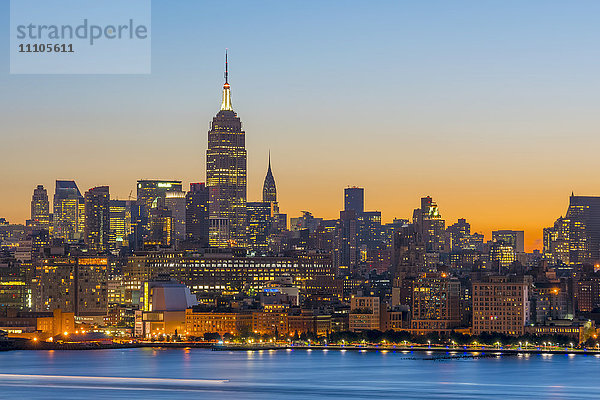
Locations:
496 116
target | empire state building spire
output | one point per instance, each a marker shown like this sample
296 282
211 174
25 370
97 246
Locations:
226 104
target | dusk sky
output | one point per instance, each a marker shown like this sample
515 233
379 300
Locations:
489 107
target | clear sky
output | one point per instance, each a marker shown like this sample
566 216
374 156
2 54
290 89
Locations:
490 107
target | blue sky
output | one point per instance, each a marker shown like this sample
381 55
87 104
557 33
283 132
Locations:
485 105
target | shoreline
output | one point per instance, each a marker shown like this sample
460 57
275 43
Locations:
475 351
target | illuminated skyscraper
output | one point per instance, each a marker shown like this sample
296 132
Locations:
68 212
97 219
40 208
150 190
259 224
120 223
226 175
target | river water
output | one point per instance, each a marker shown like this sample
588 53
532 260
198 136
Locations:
293 374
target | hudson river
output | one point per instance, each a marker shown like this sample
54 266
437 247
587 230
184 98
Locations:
296 374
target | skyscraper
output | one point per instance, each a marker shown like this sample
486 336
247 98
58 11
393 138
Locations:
259 224
196 213
226 175
516 239
269 189
40 208
68 211
354 199
175 202
150 190
97 219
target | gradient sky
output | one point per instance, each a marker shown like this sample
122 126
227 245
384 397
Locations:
489 107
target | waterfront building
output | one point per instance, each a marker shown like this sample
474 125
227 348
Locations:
501 305
365 313
75 284
436 305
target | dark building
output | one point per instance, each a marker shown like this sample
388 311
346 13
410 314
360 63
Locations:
354 199
40 208
196 213
226 175
269 189
97 219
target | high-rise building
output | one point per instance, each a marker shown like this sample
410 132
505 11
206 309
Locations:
501 305
269 188
40 208
354 199
259 223
226 174
430 225
68 212
516 239
150 190
97 219
161 226
175 202
196 213
435 303
120 223
575 239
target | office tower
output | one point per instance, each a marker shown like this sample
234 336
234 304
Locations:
575 239
501 305
196 213
226 175
516 239
120 223
370 229
502 256
435 303
67 212
348 241
459 233
150 190
354 199
40 208
161 226
259 224
97 219
430 226
175 202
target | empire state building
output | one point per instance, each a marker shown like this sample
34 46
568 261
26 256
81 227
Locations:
226 175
